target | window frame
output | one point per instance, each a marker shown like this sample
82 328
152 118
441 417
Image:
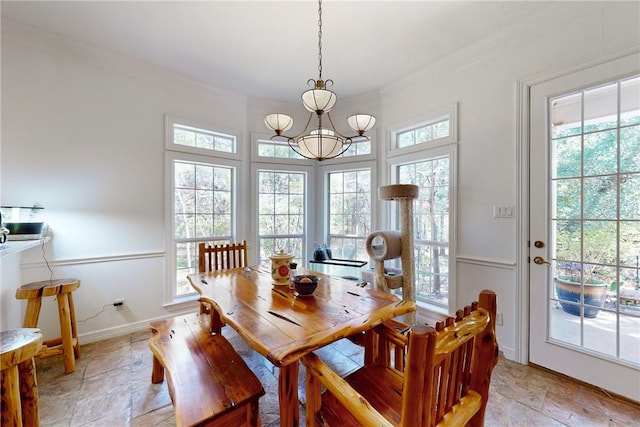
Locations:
423 120
310 217
170 121
173 153
324 172
426 153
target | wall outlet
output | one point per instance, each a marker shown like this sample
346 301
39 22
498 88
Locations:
498 319
118 303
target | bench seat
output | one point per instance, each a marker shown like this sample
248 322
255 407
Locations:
209 383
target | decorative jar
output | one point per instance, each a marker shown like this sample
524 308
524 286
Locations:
280 267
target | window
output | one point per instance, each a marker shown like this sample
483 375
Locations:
199 138
431 226
349 212
432 130
273 149
424 133
276 149
281 213
201 202
359 147
425 154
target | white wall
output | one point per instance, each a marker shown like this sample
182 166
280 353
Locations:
482 81
83 135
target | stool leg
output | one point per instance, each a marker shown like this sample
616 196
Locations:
74 329
10 414
65 331
32 313
29 393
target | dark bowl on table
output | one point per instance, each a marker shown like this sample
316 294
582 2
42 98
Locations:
305 284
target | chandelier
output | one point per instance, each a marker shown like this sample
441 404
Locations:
321 142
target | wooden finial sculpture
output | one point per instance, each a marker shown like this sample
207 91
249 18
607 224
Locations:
384 245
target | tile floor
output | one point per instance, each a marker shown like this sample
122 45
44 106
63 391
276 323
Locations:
111 387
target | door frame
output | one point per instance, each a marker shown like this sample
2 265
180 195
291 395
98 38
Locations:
523 147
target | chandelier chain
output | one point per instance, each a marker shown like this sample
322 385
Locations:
320 39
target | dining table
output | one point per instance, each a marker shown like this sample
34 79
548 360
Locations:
283 326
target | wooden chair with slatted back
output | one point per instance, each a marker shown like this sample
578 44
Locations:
220 257
445 380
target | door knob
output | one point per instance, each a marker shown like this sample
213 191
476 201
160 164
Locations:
539 260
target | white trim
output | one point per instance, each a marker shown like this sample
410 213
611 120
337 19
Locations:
522 123
129 328
487 262
92 260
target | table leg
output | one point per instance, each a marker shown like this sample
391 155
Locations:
288 395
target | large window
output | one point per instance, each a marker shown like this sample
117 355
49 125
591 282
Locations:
349 211
281 213
201 200
423 152
431 226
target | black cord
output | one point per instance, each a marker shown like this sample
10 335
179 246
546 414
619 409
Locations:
43 240
104 307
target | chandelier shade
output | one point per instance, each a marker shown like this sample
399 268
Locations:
361 122
319 100
319 143
278 122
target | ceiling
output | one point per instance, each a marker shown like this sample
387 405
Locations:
269 49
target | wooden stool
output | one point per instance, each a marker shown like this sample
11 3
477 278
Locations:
67 344
18 377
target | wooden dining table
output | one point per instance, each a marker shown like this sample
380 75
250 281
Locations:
284 327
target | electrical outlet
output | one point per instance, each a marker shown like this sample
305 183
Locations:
118 303
499 319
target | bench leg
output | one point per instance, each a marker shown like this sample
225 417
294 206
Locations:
11 411
157 371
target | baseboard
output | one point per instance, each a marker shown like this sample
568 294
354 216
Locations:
118 331
509 353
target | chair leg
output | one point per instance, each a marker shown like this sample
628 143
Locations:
65 331
74 328
32 313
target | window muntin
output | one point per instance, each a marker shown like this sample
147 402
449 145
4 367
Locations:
189 136
349 212
281 213
431 226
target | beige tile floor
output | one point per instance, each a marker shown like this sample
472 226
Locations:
111 387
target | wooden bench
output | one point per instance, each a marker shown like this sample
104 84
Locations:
209 383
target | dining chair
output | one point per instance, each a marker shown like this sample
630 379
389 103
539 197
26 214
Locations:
445 381
219 257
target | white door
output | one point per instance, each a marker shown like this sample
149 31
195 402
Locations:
585 225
